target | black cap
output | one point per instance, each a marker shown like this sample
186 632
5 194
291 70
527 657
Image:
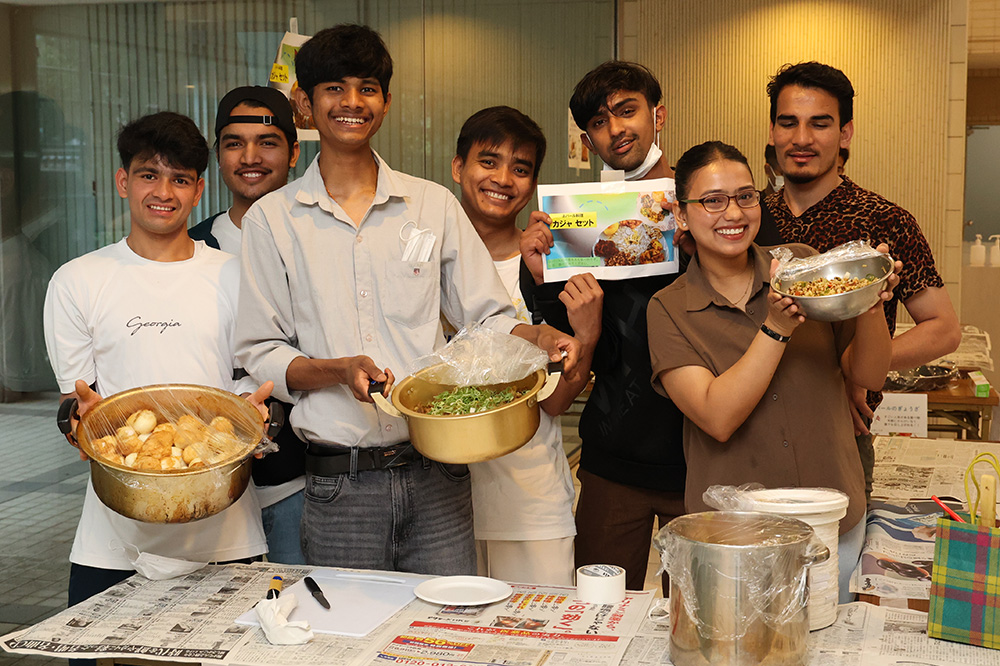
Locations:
272 98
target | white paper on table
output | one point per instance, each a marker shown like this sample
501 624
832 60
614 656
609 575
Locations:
359 602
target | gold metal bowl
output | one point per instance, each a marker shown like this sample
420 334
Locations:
468 438
171 496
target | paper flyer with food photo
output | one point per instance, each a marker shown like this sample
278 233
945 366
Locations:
284 79
614 230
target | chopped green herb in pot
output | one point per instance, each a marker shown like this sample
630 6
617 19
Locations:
468 400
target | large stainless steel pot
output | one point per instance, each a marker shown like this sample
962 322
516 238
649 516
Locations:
174 496
738 588
469 438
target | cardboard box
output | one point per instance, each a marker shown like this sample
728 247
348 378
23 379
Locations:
980 386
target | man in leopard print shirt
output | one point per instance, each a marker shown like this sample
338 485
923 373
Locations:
812 109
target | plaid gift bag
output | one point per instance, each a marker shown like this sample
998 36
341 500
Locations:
965 584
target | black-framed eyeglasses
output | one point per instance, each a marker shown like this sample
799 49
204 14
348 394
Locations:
716 203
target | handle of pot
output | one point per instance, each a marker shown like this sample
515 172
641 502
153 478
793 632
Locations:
554 371
276 419
375 391
816 553
66 415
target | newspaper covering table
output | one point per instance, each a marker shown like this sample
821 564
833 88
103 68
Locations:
192 618
910 467
974 351
867 635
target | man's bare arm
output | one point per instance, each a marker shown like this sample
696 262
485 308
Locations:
936 333
307 374
584 301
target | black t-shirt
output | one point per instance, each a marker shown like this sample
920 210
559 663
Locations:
631 435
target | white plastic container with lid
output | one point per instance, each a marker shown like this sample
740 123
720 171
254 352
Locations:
977 255
821 508
995 251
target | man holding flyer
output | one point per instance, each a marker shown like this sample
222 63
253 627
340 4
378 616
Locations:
632 463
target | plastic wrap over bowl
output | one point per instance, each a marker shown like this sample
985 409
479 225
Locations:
180 495
930 377
839 307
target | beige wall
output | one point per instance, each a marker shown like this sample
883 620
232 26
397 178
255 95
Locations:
906 59
984 34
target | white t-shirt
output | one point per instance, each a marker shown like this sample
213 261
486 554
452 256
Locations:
227 233
528 494
230 237
117 319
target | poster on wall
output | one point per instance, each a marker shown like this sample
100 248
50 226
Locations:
614 230
579 156
283 78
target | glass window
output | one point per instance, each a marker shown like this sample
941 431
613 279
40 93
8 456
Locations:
80 72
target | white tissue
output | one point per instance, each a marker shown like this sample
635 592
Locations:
273 616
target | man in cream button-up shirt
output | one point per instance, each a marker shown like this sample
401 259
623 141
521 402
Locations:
328 304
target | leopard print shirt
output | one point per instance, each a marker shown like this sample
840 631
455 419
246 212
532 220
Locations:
851 213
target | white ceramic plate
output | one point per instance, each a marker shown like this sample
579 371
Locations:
463 590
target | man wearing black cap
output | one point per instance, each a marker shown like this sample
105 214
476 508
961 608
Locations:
256 145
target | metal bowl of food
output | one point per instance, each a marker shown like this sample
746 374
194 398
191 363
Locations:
213 476
467 438
859 281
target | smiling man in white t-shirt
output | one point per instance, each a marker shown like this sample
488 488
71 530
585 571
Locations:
522 502
155 307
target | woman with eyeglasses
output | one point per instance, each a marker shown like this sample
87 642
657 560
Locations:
761 387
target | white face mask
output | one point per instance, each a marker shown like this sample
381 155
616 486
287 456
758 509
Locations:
159 567
419 242
652 157
778 183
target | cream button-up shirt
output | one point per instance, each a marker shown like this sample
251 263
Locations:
316 284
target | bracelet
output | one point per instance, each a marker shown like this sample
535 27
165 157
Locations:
774 334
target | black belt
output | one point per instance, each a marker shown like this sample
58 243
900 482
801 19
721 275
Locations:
330 460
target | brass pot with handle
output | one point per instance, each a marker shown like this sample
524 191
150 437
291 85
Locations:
468 438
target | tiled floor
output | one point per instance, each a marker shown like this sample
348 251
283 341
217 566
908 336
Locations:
41 494
42 482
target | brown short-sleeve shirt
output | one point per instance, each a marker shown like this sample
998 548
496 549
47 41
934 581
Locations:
800 433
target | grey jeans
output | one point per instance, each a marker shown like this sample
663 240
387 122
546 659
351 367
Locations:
415 518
